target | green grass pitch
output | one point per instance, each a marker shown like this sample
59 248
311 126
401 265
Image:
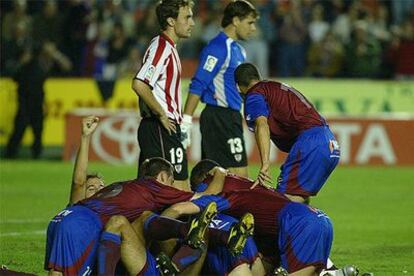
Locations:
372 210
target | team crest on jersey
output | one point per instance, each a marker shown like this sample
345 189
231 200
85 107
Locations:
238 157
178 168
150 72
210 63
333 146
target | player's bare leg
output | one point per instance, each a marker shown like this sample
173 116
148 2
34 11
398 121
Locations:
297 198
258 267
54 273
307 271
131 250
241 270
242 171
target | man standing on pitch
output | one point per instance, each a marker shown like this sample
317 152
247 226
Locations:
158 85
221 122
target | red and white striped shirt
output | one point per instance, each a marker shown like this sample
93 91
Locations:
161 70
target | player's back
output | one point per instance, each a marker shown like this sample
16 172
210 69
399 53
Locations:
290 113
131 198
264 204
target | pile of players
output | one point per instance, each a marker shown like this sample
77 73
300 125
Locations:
225 223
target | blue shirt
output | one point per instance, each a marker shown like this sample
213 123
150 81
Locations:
214 79
254 107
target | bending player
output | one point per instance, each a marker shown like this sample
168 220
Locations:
277 112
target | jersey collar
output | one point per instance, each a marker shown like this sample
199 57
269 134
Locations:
168 39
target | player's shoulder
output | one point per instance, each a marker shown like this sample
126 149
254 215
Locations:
216 46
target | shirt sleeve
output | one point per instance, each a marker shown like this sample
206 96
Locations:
202 202
154 63
255 106
211 60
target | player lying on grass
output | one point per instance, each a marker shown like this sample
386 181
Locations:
279 113
304 233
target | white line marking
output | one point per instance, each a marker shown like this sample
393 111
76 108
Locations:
11 234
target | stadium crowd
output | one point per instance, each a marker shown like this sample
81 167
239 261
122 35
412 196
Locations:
107 39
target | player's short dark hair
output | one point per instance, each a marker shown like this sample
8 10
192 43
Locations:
151 167
170 8
240 9
200 171
245 73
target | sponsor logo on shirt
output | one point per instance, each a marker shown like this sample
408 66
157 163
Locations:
210 63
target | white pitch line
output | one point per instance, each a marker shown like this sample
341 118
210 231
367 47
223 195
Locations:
10 234
22 221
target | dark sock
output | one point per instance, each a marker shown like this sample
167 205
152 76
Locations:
162 228
217 237
109 253
186 256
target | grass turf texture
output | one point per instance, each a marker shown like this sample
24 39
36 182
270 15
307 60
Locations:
371 208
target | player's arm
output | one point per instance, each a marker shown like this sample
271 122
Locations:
180 209
194 206
144 92
216 185
262 134
256 113
78 188
211 60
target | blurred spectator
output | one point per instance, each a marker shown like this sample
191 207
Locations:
31 75
325 58
48 24
15 50
289 28
257 52
402 50
75 24
318 27
292 44
363 54
17 16
130 66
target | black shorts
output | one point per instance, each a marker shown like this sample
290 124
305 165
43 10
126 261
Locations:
154 141
222 136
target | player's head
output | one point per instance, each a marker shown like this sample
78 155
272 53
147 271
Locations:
177 16
244 75
242 16
94 183
200 172
158 168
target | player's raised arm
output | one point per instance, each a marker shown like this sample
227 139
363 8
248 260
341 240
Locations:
78 188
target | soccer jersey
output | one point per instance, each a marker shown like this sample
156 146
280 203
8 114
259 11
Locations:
161 70
214 79
289 113
131 198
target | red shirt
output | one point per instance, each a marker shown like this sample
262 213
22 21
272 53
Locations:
131 198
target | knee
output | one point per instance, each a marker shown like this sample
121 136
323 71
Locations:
116 223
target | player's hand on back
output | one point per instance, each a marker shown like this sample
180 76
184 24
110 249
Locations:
264 179
89 125
186 130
